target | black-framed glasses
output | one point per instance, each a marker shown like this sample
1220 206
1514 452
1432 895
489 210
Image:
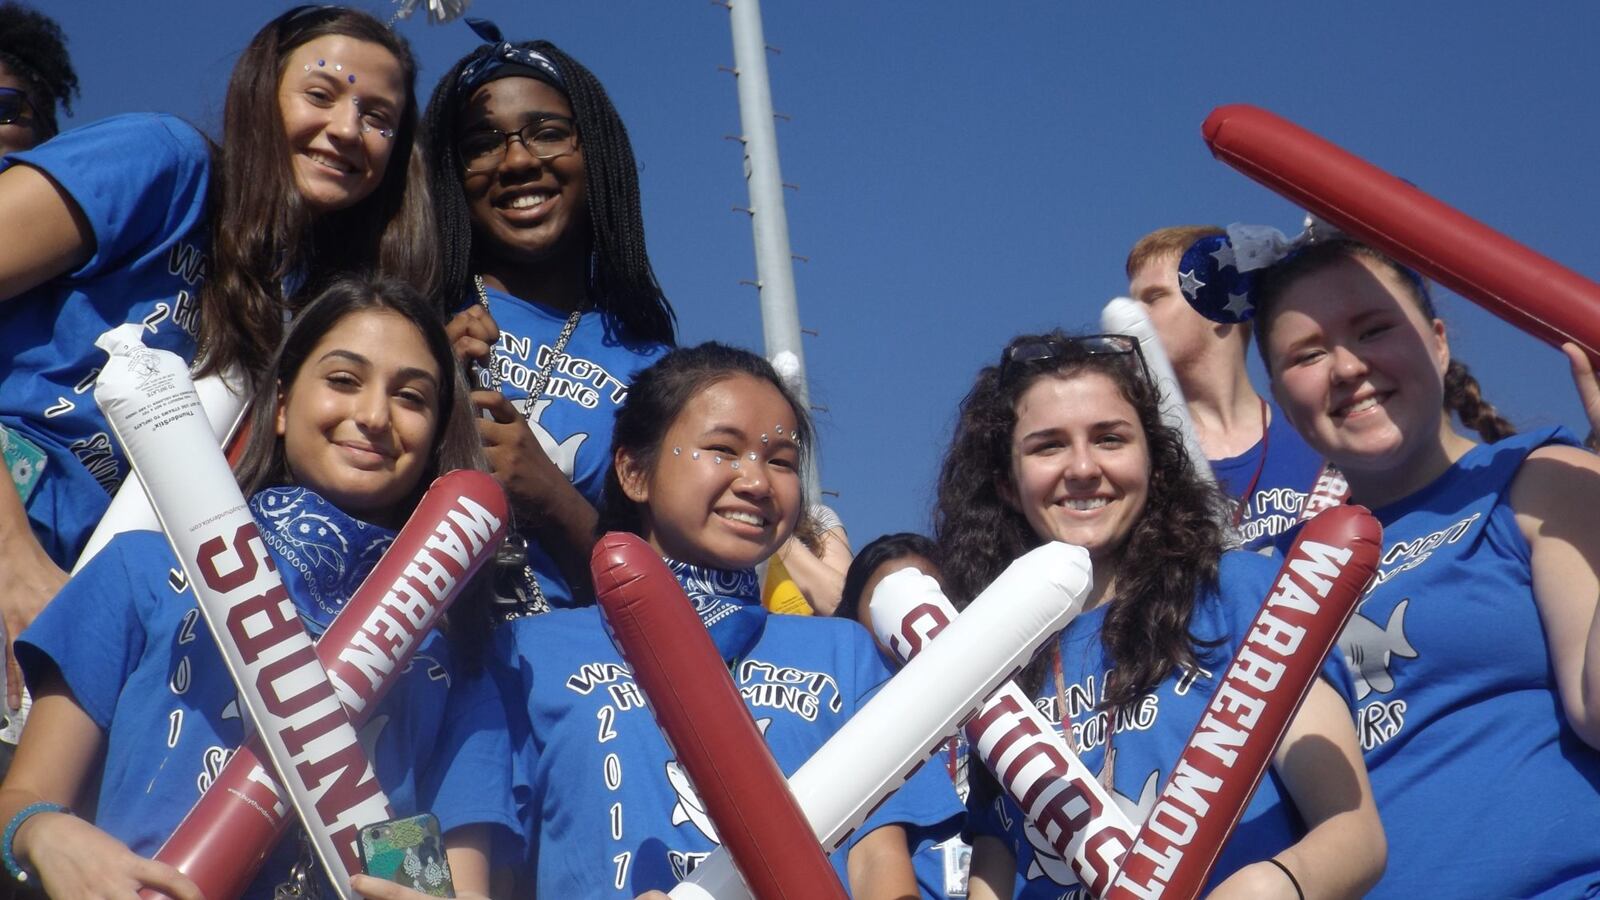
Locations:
1020 355
546 138
14 105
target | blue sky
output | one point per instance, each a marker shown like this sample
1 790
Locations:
967 171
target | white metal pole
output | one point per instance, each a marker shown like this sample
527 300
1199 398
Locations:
780 316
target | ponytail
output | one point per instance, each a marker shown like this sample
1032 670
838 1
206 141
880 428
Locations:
1464 397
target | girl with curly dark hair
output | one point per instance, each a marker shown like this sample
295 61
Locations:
36 76
1064 441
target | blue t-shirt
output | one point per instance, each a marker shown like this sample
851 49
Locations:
1484 789
573 420
1288 472
1149 738
141 182
128 639
941 866
610 813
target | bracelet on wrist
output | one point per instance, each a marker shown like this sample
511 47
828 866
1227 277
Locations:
1289 875
27 812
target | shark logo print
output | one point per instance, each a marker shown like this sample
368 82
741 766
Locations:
1369 648
689 808
563 453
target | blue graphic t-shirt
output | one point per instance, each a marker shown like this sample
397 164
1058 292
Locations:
1289 470
610 813
1456 703
128 639
1150 737
573 420
140 181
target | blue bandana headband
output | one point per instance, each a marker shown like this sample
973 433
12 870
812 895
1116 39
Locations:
505 60
1217 272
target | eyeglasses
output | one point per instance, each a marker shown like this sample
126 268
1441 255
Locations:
545 138
1019 356
14 105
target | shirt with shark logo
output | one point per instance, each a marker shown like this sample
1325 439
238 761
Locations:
609 811
128 639
573 419
1483 788
1150 736
141 182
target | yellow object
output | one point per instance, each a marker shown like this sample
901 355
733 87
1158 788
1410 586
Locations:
780 594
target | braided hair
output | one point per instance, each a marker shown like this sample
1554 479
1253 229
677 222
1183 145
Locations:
622 283
1462 394
33 48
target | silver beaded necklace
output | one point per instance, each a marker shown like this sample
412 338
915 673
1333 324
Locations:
515 550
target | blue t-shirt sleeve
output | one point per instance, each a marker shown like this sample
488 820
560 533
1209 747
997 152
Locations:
469 781
92 632
137 179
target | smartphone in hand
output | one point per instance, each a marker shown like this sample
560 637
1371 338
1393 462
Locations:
408 851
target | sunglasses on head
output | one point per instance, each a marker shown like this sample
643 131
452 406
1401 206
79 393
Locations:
1024 354
14 106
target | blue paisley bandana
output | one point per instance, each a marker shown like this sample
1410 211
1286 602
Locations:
323 553
729 603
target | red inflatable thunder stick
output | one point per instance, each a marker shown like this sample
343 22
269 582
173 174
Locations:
1322 580
456 528
703 718
1527 289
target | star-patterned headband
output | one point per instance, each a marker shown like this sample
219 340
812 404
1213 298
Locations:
1217 272
504 60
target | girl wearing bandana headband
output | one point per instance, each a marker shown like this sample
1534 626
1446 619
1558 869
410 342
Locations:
707 456
134 706
537 200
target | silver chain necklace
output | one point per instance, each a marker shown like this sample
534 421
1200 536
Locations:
515 550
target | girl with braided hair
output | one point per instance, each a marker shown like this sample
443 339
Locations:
544 263
1476 654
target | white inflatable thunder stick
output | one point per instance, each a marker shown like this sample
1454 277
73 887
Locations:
150 403
1057 793
222 398
1125 316
888 738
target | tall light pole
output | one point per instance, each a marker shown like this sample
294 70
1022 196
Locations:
780 316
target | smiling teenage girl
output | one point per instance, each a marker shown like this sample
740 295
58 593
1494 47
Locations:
538 207
1477 652
367 407
707 457
138 219
1064 441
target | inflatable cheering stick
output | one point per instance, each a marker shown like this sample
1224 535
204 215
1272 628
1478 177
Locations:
224 839
887 739
150 403
705 721
1125 316
1060 797
1323 577
1531 291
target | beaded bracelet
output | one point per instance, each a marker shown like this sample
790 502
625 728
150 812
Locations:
26 813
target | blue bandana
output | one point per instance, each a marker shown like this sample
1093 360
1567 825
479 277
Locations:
323 553
505 60
729 603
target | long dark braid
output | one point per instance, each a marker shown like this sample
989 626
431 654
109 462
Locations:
623 283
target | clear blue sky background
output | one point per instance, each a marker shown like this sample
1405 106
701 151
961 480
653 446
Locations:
970 170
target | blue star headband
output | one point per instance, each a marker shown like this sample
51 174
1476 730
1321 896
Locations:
1217 272
505 60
